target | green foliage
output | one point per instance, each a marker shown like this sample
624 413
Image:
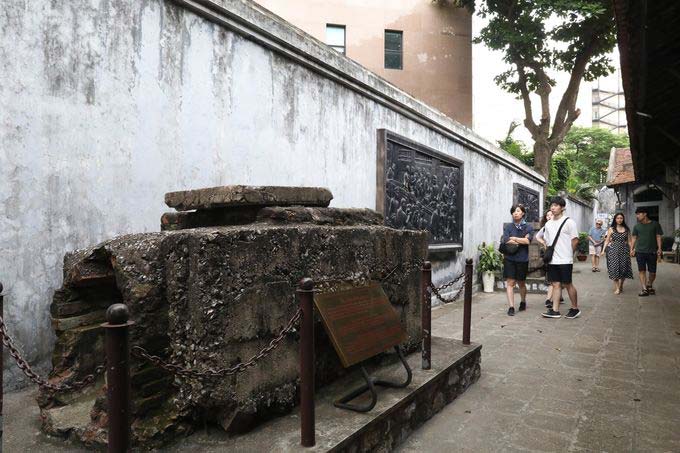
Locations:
520 29
579 166
588 151
582 246
516 148
490 260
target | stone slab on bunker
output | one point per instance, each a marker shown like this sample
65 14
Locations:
238 195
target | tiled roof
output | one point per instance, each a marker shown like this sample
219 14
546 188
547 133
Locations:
620 169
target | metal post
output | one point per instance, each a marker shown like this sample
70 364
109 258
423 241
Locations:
426 314
305 294
2 358
118 377
467 303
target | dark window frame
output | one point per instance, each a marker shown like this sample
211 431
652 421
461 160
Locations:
344 38
393 52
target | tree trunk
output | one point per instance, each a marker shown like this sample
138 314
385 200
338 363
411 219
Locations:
542 155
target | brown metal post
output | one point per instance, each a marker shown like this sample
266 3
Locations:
426 314
2 358
467 303
118 377
305 294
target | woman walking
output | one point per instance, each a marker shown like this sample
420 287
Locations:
617 246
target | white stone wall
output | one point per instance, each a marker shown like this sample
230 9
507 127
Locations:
581 212
108 105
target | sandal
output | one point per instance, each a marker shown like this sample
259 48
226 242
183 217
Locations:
651 290
594 270
643 293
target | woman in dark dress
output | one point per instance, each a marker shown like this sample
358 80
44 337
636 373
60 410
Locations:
617 247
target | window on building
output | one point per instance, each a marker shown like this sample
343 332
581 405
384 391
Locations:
335 37
394 49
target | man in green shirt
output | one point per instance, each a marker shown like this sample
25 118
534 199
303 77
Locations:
646 248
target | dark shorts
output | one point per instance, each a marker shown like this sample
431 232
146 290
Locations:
560 273
646 262
516 270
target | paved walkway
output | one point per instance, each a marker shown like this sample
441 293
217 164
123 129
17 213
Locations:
607 381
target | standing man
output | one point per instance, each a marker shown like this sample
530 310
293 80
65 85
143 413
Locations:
561 266
516 266
595 241
646 248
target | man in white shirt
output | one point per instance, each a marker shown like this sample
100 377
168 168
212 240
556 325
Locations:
561 266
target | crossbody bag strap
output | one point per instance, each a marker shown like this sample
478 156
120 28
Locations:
558 232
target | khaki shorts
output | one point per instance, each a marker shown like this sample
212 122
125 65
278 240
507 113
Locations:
594 249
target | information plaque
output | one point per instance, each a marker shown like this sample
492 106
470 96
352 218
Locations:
361 322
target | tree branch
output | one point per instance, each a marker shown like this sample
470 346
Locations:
543 91
566 112
529 122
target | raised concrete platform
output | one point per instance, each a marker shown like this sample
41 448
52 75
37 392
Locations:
398 412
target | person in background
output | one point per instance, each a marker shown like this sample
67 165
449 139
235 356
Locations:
515 267
646 248
617 246
595 241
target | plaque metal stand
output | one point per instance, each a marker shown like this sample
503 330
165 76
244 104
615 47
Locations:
370 384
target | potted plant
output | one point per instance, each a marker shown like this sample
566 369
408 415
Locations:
490 261
582 247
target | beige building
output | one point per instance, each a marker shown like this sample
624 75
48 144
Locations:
421 46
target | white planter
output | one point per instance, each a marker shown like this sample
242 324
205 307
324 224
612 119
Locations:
487 281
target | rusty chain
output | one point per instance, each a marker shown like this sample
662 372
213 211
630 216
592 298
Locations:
25 367
436 290
178 370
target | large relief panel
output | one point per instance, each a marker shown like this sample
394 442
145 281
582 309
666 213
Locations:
420 188
530 199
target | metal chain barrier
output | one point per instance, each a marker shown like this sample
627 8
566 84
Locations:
436 290
178 370
407 266
24 366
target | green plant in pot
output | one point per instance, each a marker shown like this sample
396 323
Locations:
582 247
490 261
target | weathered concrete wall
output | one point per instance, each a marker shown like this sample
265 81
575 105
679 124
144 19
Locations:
108 105
213 297
581 212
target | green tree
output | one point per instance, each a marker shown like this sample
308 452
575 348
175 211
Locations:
516 147
588 149
540 36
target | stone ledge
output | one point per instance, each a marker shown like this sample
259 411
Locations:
237 196
398 412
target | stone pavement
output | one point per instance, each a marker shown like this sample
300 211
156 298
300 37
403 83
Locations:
607 381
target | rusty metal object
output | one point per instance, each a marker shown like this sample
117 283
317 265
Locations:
436 290
118 376
426 315
467 304
361 322
34 377
2 358
305 293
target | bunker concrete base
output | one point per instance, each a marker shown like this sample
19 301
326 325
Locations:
398 412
